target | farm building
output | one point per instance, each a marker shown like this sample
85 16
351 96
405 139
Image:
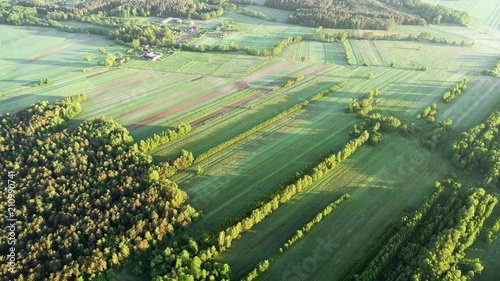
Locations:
120 60
152 56
224 34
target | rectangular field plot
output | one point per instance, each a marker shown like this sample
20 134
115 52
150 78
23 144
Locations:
315 52
486 11
239 66
253 32
214 64
365 52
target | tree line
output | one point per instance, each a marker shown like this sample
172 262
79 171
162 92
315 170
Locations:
262 267
155 141
289 83
306 228
459 88
428 113
265 123
91 201
226 236
276 50
478 149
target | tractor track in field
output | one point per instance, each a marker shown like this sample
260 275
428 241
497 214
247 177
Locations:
239 85
375 52
478 101
471 90
55 50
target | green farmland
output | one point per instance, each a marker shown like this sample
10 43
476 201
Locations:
199 164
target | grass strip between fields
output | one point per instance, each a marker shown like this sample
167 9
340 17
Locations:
266 123
259 214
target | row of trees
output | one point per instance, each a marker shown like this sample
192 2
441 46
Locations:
438 234
495 72
362 105
89 200
289 83
306 228
164 137
459 88
346 50
262 267
478 149
428 113
233 232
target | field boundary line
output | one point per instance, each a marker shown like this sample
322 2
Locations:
238 85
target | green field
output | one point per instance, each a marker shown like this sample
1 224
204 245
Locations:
316 52
485 10
252 32
212 64
383 181
271 14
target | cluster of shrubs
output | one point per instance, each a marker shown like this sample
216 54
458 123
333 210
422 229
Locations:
459 88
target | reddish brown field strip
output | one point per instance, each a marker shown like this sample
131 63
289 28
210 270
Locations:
165 99
50 52
236 104
168 112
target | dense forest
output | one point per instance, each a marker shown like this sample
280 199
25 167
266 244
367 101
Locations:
369 14
85 200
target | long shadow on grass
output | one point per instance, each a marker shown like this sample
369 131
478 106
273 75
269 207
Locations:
14 103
